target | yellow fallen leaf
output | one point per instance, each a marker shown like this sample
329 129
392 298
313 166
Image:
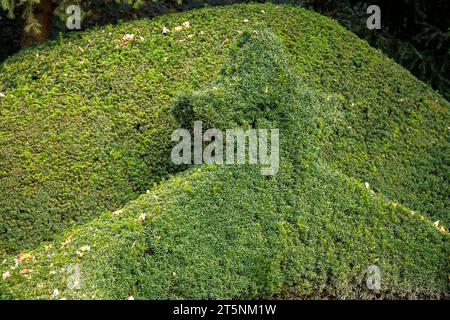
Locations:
65 243
116 213
85 248
80 254
178 28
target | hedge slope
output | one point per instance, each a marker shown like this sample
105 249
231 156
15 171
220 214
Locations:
225 231
84 122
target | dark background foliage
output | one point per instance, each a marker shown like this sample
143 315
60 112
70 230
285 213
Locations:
416 33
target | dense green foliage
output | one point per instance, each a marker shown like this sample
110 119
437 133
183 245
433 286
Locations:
206 235
416 33
226 231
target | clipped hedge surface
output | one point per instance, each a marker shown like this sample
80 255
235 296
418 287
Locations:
206 235
84 124
226 231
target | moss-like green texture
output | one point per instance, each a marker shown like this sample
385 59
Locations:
206 235
226 231
84 122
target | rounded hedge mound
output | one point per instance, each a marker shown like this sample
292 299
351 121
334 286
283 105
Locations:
226 231
85 126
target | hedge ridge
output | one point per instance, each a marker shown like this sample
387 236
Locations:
85 124
225 232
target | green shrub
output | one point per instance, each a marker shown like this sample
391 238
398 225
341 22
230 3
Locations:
85 123
85 130
227 232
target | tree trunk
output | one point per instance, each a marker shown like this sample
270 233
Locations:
43 13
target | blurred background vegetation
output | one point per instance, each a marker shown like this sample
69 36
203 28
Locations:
415 33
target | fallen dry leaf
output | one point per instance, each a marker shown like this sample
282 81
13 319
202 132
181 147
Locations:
178 28
165 31
185 25
23 257
141 217
127 38
6 275
65 243
25 270
55 293
85 248
116 213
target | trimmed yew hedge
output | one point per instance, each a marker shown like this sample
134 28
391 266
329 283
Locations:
228 232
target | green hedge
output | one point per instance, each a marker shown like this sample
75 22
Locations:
227 232
206 235
85 123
